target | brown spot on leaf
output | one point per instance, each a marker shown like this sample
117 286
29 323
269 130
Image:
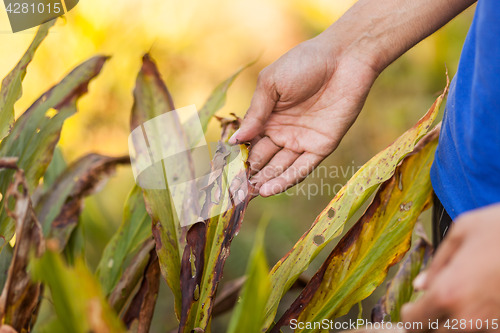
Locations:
405 206
319 239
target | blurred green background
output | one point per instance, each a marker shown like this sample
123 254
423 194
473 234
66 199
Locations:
197 44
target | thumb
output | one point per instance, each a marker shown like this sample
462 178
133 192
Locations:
259 111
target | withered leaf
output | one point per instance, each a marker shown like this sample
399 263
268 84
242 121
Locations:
19 298
220 231
359 263
35 133
60 206
345 203
192 265
140 311
400 289
131 277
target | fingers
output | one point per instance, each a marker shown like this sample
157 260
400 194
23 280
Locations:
262 153
420 281
278 164
260 109
421 313
444 254
7 329
299 170
254 141
435 304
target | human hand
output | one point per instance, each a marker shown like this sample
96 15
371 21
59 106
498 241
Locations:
306 101
462 282
303 105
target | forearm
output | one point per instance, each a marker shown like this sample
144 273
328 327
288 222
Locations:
378 32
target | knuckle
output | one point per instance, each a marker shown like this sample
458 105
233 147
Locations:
263 77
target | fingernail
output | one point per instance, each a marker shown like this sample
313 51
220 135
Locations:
404 310
420 281
233 140
264 189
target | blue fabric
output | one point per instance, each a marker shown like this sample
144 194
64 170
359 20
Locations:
466 171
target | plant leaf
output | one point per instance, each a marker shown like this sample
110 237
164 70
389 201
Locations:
78 300
217 98
132 233
400 288
248 316
330 222
12 88
55 169
228 296
19 297
5 260
60 206
131 277
214 103
227 212
152 99
359 263
35 135
75 246
192 265
140 312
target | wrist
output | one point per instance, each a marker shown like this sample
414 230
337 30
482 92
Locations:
351 51
377 33
347 42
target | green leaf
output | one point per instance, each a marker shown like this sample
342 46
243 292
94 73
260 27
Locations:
330 222
152 99
12 88
75 246
214 103
55 169
400 289
359 263
132 233
35 134
217 98
78 300
248 315
5 260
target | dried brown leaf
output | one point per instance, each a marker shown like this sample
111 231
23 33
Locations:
20 296
131 277
140 312
60 206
